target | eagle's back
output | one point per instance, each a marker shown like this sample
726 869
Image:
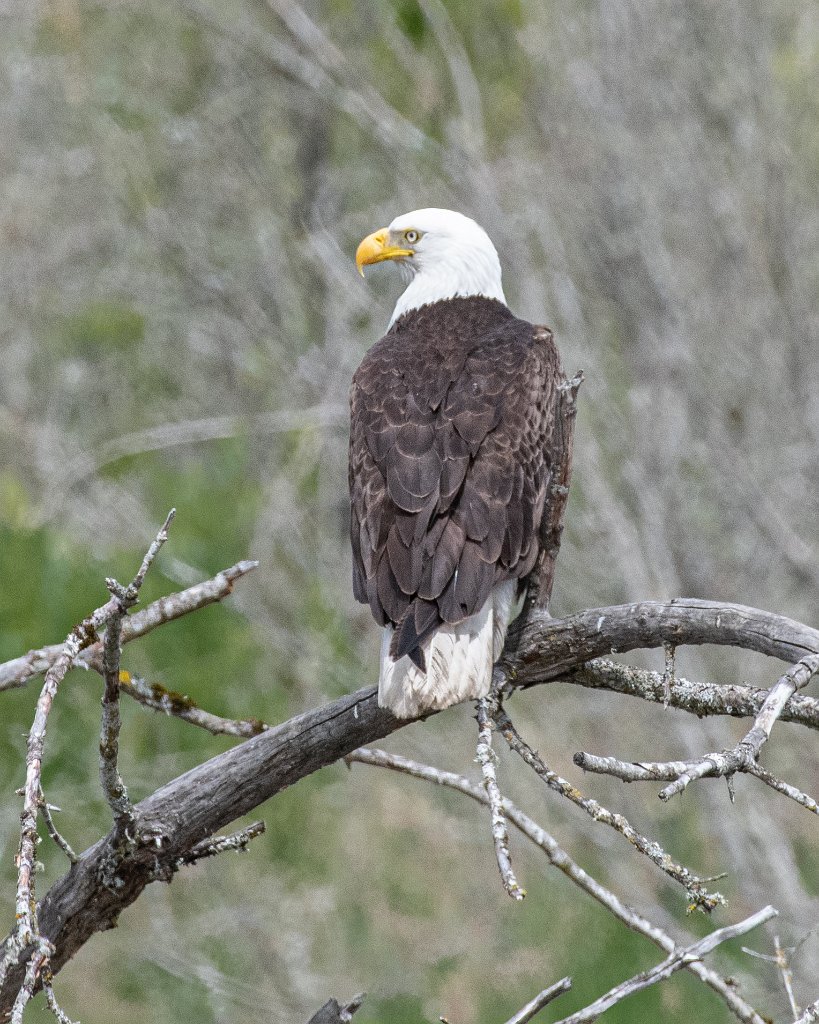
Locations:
452 413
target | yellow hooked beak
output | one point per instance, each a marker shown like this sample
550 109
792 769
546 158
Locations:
375 248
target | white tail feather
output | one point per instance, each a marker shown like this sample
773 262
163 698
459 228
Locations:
459 661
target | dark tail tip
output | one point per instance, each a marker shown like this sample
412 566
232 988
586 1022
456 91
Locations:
405 640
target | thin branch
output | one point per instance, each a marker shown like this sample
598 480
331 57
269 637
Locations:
133 589
486 757
174 606
698 698
45 810
237 841
747 751
19 671
27 932
34 968
113 786
741 758
563 862
783 787
548 995
51 999
178 705
694 886
781 960
678 959
661 771
787 976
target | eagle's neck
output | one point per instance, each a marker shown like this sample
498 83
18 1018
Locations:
473 272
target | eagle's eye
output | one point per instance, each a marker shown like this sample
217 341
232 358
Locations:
411 236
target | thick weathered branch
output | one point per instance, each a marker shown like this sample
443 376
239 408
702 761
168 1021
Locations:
204 800
549 648
189 810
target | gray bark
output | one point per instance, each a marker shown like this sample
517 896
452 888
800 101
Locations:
202 801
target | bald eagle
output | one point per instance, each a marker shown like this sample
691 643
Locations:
452 414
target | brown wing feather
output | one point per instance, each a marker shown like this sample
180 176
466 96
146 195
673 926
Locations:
452 415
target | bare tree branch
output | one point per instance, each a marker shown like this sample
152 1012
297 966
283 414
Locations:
51 1000
201 802
51 828
486 758
654 771
112 784
698 698
781 960
534 1006
783 787
548 648
178 705
694 886
748 749
678 959
19 671
27 931
189 810
237 841
563 862
125 597
33 974
741 758
810 1014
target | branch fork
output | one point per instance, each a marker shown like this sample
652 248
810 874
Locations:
742 758
26 943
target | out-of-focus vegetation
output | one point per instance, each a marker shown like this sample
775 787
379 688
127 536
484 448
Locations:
182 186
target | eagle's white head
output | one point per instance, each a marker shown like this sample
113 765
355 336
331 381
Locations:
441 253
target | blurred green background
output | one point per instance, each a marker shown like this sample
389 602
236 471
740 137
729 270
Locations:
182 186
